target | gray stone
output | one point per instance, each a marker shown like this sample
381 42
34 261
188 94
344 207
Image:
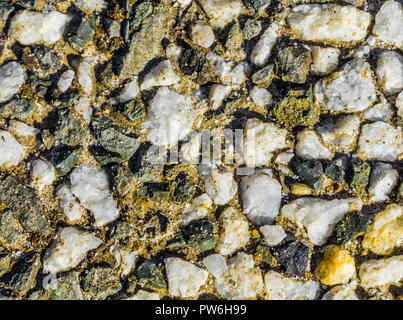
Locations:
68 129
293 63
264 76
10 230
251 29
100 283
146 43
20 109
149 276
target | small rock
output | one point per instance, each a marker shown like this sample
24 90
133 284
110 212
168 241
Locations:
282 288
337 267
350 90
68 129
202 34
374 273
388 23
20 109
101 283
70 248
91 186
71 207
324 60
221 12
170 117
129 92
65 80
91 5
150 276
309 146
217 94
197 210
30 27
199 234
251 29
297 108
389 71
261 97
215 264
11 151
64 159
264 76
12 77
184 278
261 198
293 256
380 141
43 173
318 216
80 32
242 280
161 75
21 129
261 141
310 172
328 23
273 235
235 231
262 50
220 185
383 179
385 232
351 226
293 63
342 292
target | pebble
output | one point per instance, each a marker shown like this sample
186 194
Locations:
242 280
170 117
184 278
91 186
91 5
260 96
328 23
202 34
383 179
262 50
221 12
282 288
318 216
43 173
21 129
389 70
198 209
337 267
71 207
30 27
12 77
385 232
261 198
309 146
235 231
262 139
341 292
65 80
161 75
350 90
388 25
273 235
71 247
380 141
375 273
11 151
215 264
324 60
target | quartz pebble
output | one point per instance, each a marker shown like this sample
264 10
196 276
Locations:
282 288
242 280
90 185
262 50
273 235
71 207
309 146
324 60
170 117
184 278
22 129
318 216
341 292
261 198
70 248
65 80
11 151
12 77
221 12
350 90
30 27
389 71
235 232
260 96
161 75
386 231
383 179
202 34
261 140
129 92
374 273
91 5
43 173
389 24
198 209
215 264
380 141
328 23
